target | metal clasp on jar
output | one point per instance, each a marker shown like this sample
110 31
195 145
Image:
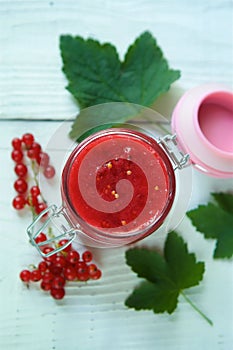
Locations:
52 219
169 144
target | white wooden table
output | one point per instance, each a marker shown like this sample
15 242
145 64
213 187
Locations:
196 37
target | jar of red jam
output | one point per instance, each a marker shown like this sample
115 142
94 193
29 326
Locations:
118 186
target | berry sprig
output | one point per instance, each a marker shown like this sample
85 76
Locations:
55 271
28 155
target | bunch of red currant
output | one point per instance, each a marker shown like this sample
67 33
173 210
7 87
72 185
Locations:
66 265
54 271
28 153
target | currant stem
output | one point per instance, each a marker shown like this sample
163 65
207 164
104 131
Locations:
50 232
35 174
196 308
33 212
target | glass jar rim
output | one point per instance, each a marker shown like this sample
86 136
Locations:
91 230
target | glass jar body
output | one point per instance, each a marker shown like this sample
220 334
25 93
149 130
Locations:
118 187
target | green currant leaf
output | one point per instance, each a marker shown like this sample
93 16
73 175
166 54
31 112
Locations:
214 222
225 201
224 245
166 275
151 296
184 269
145 73
148 264
92 70
96 75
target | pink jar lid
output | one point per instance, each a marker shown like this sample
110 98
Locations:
203 123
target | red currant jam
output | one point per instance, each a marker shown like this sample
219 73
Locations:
119 182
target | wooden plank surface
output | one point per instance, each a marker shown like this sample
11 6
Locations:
196 38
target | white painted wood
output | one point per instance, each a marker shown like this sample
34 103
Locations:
196 37
93 315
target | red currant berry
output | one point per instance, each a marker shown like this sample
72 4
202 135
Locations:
43 159
41 238
43 266
72 257
57 293
45 286
59 261
82 274
62 243
28 139
16 143
80 265
20 186
25 275
35 191
35 275
19 202
49 172
58 282
92 268
87 256
17 155
31 154
96 275
21 169
36 147
48 250
32 201
69 273
55 270
40 207
47 277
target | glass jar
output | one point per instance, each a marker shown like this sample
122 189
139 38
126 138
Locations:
118 186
